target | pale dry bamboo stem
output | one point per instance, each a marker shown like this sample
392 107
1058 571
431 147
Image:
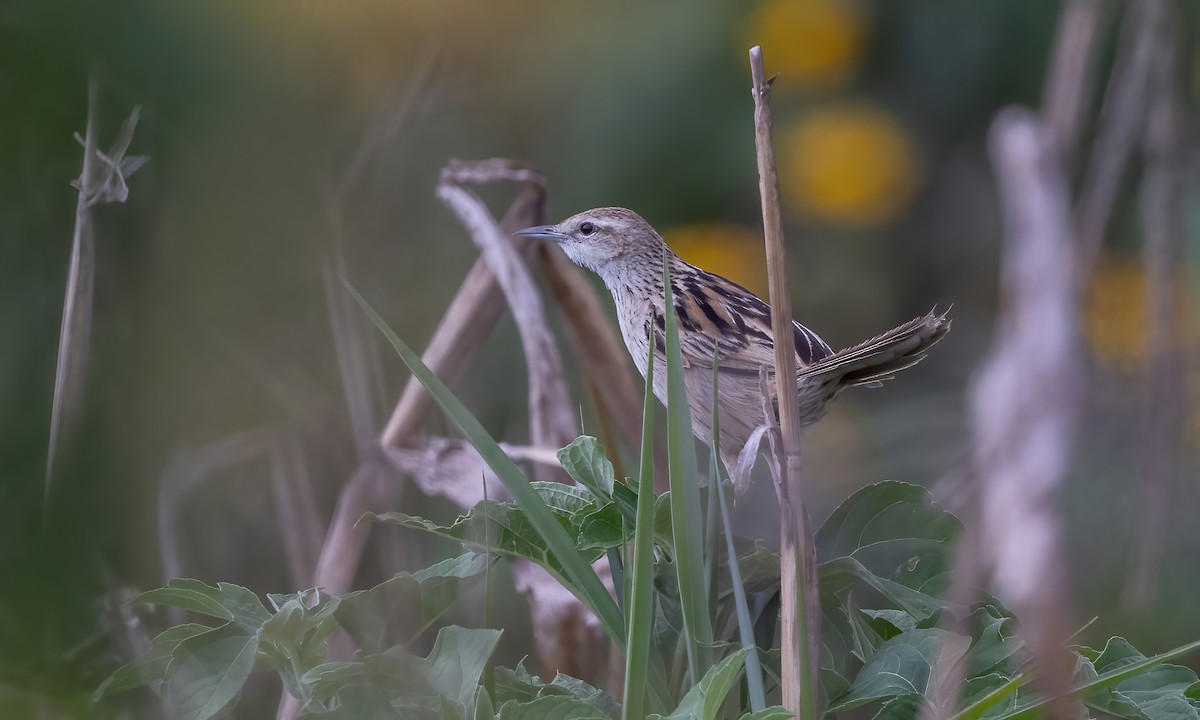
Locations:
800 600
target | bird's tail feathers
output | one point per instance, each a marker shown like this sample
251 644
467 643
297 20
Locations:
880 358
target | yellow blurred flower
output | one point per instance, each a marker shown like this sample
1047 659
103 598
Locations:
810 43
847 165
727 250
1114 313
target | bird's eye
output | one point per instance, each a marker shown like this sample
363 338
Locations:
586 228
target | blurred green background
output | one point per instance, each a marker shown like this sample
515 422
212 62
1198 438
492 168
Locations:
210 312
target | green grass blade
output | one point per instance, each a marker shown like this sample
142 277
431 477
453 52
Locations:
754 678
685 501
583 579
975 710
1100 682
641 601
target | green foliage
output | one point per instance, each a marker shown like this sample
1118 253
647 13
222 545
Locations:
640 608
880 644
370 617
883 557
521 695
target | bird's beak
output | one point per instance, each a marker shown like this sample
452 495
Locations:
542 232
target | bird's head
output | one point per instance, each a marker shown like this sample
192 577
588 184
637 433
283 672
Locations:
608 241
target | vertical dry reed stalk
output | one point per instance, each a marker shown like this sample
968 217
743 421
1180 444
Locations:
800 605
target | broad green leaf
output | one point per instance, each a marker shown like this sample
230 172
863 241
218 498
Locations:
775 712
588 694
983 697
895 530
484 710
207 671
519 686
575 567
457 660
508 532
364 702
1000 691
900 666
833 684
585 461
685 498
225 601
837 640
555 707
1105 680
1159 693
704 700
601 528
863 635
394 673
889 622
398 610
151 667
903 707
564 500
842 573
994 641
293 638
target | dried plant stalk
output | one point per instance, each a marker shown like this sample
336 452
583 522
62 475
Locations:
1068 89
800 605
1121 123
551 417
301 525
1163 222
102 180
1024 398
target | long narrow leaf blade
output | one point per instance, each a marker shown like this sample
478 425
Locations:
641 601
754 678
1107 679
587 585
685 500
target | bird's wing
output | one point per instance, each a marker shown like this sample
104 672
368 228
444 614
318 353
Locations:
719 315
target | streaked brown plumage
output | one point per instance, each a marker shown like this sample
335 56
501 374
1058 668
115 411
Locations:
717 315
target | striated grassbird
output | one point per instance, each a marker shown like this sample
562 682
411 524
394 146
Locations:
719 318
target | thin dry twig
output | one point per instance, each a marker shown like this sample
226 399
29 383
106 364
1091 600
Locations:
1069 89
800 605
102 180
1121 121
1024 398
301 526
1163 222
